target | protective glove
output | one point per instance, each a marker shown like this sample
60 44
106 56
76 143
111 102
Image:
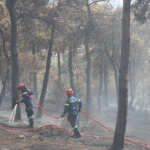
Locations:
24 93
18 101
62 115
20 96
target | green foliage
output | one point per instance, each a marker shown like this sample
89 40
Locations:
141 9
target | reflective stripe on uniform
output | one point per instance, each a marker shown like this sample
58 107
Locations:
73 101
75 127
79 100
30 117
66 104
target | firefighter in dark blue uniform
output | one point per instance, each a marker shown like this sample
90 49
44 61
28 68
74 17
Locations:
28 102
71 107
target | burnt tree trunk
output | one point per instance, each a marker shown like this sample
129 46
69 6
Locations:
8 59
59 69
106 85
88 31
2 95
34 73
14 56
100 89
59 80
46 77
143 98
4 46
71 70
118 141
113 64
131 87
88 80
133 78
2 92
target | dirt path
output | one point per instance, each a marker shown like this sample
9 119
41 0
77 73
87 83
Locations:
53 138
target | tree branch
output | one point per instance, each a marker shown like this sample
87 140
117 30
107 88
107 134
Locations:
4 46
38 18
97 2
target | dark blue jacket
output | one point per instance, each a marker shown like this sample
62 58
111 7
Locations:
71 105
27 100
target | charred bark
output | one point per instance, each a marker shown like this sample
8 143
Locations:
34 73
118 141
14 55
133 78
2 92
143 98
46 77
114 67
4 86
59 69
131 87
4 46
106 85
71 70
88 31
88 80
100 89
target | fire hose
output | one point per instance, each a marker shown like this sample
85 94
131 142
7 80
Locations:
142 144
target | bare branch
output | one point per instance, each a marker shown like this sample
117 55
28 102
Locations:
98 1
38 18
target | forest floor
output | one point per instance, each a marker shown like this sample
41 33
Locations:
55 138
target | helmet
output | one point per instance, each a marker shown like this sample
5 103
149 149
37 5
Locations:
20 85
69 91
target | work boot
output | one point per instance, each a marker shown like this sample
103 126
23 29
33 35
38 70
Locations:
78 135
31 125
72 136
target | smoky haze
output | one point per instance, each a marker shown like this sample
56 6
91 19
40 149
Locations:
53 45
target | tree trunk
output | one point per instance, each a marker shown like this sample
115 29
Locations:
88 30
100 89
2 93
14 56
8 59
4 87
35 86
46 77
143 98
105 84
88 80
59 80
116 81
8 83
131 87
143 90
34 73
71 70
113 65
59 69
118 141
4 46
133 78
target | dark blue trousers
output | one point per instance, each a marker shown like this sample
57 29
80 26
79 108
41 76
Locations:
29 110
73 122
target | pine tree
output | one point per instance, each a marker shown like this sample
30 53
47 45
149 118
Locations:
141 9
